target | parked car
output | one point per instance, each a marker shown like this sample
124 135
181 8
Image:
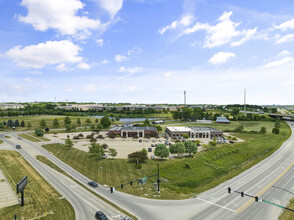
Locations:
152 145
156 145
170 144
93 184
18 146
159 140
19 138
153 140
166 143
101 216
126 218
140 140
152 157
231 142
149 149
147 141
104 156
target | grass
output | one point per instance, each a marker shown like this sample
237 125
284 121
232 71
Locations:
29 138
53 166
207 169
288 215
7 136
37 137
1 142
40 197
248 125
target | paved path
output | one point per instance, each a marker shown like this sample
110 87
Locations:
7 195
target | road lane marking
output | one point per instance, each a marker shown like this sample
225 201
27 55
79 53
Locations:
217 205
243 207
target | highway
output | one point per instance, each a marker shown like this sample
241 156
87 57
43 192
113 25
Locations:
84 203
272 179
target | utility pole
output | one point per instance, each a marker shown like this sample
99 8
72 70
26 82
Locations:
245 102
158 180
185 98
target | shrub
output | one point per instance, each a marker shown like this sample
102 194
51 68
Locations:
138 166
105 146
187 166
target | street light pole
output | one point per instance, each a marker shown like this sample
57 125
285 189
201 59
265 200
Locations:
158 180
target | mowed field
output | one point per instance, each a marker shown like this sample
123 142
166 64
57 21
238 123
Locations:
184 177
248 125
40 197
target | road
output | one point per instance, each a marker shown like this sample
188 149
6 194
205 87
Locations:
84 203
272 179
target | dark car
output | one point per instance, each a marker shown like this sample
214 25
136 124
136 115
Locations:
140 140
93 184
18 146
231 142
101 216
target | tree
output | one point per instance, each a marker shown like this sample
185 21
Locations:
146 122
276 130
1 125
29 125
88 121
43 123
92 127
22 124
55 123
99 127
239 128
262 130
47 129
9 123
16 123
190 147
79 121
116 118
235 112
177 148
212 144
39 132
161 151
68 143
138 156
186 136
96 150
68 128
96 120
67 120
112 152
105 121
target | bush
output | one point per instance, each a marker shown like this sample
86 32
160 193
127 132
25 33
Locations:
100 136
105 146
186 136
276 131
39 132
111 135
187 166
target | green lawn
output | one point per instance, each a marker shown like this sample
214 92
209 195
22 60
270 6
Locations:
40 197
207 169
288 215
1 141
248 125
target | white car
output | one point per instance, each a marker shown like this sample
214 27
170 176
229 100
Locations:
104 156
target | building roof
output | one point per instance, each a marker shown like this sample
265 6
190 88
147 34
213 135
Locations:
205 129
204 121
179 129
139 128
222 119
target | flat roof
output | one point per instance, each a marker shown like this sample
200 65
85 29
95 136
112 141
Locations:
180 129
205 129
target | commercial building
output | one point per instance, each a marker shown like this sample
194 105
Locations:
128 132
193 132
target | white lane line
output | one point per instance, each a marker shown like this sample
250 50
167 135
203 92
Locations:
216 205
85 200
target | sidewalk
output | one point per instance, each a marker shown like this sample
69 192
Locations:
7 195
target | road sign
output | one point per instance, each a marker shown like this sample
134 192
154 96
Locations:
21 185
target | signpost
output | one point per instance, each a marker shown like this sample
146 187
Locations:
20 188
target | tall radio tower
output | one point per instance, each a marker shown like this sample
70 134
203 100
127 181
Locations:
185 98
245 102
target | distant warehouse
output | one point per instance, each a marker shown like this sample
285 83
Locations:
193 132
157 122
140 132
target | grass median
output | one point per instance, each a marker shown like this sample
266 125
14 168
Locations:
30 138
42 201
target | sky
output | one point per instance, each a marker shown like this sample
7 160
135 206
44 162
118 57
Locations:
147 51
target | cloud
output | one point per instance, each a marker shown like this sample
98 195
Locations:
100 42
286 25
105 61
278 63
68 89
135 50
62 67
28 79
284 53
221 33
286 38
84 66
111 6
60 15
168 74
48 53
183 22
120 58
221 57
90 87
129 70
35 72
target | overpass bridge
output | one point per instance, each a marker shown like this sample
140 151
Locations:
288 117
